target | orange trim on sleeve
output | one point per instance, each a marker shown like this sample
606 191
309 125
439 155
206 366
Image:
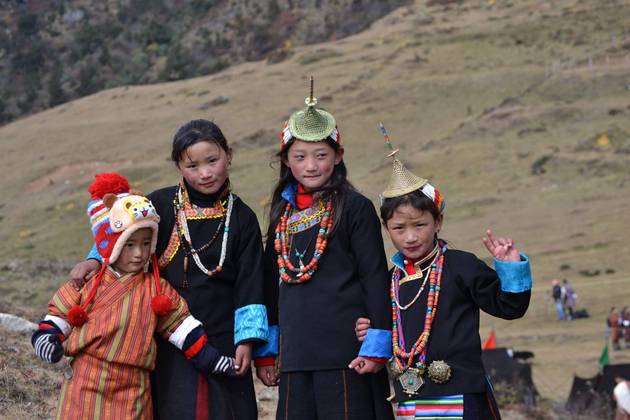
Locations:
192 351
379 360
265 361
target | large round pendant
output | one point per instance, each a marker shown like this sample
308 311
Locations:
439 371
411 381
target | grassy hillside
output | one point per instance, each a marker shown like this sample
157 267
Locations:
518 111
53 52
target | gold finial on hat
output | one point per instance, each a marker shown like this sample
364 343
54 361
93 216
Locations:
311 124
402 181
311 100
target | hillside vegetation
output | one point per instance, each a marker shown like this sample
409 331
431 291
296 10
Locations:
55 51
518 110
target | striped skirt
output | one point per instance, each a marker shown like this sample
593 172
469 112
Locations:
102 390
451 407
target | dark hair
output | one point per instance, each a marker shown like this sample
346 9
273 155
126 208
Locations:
196 131
338 185
415 199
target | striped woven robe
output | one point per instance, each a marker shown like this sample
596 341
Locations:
114 351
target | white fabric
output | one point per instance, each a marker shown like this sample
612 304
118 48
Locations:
622 395
179 335
429 191
61 323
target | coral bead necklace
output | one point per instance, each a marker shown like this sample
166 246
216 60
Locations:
288 272
402 358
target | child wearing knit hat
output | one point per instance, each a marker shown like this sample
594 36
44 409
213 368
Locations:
107 327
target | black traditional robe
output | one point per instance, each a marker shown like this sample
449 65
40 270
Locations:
468 285
317 318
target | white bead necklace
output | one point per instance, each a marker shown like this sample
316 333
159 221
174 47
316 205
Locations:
183 222
424 282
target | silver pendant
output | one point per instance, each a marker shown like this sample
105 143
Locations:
411 381
394 370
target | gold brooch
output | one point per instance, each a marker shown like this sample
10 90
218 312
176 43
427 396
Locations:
439 371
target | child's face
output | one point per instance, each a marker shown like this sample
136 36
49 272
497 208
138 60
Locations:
204 166
413 231
312 163
136 252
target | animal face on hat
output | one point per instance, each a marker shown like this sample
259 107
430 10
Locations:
115 213
125 215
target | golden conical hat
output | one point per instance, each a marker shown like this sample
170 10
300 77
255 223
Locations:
402 181
311 124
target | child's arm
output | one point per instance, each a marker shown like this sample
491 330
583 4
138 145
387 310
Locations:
367 247
506 292
85 270
265 355
54 328
186 333
250 315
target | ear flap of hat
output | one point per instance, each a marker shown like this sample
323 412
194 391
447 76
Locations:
109 199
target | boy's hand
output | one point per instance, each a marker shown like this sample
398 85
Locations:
362 365
82 272
361 327
267 375
47 347
243 358
501 248
224 366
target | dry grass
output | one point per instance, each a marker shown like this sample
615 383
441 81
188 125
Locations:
477 96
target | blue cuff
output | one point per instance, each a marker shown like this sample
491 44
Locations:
270 349
250 323
377 343
94 255
515 276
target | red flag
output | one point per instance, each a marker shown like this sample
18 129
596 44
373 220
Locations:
490 342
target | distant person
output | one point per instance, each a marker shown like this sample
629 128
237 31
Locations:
568 298
621 394
108 327
613 322
556 295
625 325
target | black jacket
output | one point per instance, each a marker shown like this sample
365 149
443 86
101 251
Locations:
467 286
317 318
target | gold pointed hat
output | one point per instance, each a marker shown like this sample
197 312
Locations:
310 123
402 181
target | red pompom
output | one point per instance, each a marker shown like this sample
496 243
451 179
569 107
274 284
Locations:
77 316
161 305
104 183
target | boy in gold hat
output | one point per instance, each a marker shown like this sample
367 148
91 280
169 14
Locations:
436 294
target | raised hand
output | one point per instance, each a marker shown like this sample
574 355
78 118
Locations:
502 249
